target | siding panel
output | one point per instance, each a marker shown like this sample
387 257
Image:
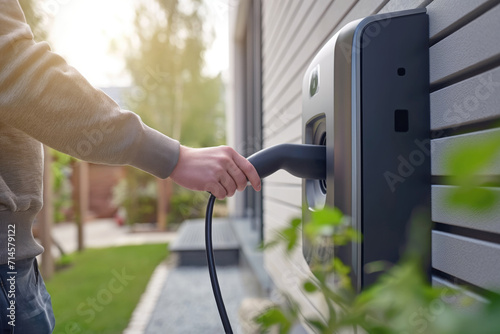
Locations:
474 261
289 71
269 9
290 195
446 15
290 12
289 274
280 51
396 5
282 178
442 147
277 119
297 42
448 296
473 100
275 23
280 213
442 212
290 133
280 140
292 77
362 9
472 45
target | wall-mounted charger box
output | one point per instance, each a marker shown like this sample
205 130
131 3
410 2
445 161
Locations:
366 97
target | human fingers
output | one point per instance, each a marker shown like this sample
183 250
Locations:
228 183
238 176
216 189
248 169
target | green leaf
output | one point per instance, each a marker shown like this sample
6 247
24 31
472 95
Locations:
310 287
471 157
295 223
318 324
266 245
274 316
323 222
353 234
339 267
327 216
473 197
290 236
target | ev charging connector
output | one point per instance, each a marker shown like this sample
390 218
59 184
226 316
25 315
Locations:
304 161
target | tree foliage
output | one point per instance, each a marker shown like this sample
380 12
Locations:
165 59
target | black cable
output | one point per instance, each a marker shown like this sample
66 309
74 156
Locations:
211 266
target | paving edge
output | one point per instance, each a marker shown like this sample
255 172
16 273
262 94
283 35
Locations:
144 309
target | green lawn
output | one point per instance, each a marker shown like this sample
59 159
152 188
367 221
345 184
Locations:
100 291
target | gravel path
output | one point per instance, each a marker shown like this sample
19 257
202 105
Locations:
186 304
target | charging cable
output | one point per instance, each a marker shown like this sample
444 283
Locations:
211 266
304 161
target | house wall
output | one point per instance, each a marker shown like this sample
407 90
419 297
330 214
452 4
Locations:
464 53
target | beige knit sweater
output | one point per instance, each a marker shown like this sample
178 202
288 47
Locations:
44 100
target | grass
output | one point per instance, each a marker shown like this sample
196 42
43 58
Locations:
100 291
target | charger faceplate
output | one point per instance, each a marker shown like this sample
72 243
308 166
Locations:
370 108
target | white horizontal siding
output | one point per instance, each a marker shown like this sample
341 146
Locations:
282 178
284 80
290 132
281 214
287 194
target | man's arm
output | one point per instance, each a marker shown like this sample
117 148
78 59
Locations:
41 95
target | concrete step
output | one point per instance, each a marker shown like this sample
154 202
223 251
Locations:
190 243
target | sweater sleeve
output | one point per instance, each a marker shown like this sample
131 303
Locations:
41 95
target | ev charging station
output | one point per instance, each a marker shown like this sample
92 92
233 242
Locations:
366 140
365 96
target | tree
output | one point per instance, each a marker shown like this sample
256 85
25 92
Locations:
171 93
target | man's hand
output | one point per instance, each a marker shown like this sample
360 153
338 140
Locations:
218 170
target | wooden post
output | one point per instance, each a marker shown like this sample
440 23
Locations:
164 193
81 199
46 216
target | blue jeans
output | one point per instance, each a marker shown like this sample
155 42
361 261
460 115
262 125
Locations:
32 311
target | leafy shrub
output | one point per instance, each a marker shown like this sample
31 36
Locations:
136 194
187 204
